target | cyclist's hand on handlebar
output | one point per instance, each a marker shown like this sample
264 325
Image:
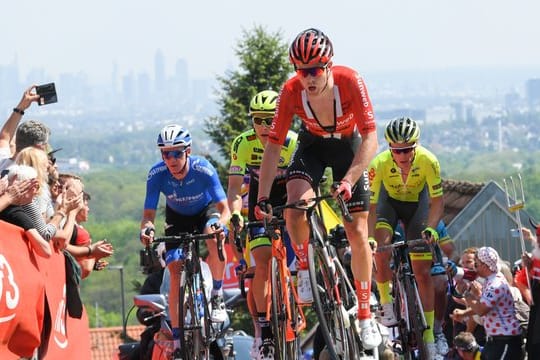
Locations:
147 235
430 234
241 268
263 209
236 223
220 229
344 187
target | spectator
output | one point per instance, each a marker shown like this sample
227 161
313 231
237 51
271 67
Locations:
495 304
7 133
532 264
37 159
467 347
22 189
452 328
29 134
88 255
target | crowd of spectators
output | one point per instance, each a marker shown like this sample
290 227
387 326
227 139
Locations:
49 206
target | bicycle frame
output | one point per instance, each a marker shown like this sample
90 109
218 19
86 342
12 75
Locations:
283 308
327 280
407 303
196 334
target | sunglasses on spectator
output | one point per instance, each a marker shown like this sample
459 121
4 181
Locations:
403 150
262 121
173 153
52 159
313 71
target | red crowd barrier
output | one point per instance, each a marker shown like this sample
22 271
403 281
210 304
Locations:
28 282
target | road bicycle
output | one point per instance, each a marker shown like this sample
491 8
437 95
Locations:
283 309
196 329
334 298
407 303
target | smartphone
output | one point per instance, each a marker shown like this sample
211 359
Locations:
47 94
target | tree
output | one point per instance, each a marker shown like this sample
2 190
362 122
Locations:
263 65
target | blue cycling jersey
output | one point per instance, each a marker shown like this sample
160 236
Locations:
188 196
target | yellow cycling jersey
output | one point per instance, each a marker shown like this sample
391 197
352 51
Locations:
247 153
425 169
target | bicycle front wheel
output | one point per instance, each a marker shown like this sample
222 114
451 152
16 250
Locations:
416 316
331 318
278 311
191 329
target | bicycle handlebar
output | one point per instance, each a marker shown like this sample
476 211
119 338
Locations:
184 238
310 203
401 244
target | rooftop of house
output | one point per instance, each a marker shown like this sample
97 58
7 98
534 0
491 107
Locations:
105 341
457 194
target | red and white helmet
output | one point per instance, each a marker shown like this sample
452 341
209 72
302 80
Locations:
311 47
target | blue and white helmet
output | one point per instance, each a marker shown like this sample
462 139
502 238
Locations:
173 136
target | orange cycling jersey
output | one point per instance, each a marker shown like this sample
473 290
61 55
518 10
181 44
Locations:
352 108
425 169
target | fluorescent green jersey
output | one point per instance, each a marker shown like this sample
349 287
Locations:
425 169
247 153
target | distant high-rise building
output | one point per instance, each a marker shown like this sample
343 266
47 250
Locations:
532 89
181 78
143 88
128 88
159 72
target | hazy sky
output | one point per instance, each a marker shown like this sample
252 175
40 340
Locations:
73 35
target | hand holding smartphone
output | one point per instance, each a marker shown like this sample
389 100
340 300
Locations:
47 94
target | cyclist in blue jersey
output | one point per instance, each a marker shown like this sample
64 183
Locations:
195 202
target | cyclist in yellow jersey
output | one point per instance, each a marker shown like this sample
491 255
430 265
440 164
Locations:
406 186
246 156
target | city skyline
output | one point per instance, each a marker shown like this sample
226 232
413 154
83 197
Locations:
94 38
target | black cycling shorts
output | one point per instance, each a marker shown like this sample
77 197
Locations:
314 154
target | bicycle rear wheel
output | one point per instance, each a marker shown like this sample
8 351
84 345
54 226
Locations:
278 312
331 319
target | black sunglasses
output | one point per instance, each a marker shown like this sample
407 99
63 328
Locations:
260 121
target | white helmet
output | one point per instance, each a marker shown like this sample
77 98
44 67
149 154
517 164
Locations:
174 135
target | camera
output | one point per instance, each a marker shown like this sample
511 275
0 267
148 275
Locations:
47 94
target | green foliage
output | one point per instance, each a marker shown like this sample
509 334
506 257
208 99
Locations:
263 65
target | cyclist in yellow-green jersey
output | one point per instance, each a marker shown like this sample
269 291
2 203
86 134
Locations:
246 156
406 186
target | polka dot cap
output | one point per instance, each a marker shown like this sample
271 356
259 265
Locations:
489 256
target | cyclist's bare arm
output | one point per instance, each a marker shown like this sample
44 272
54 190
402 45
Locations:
234 196
436 211
224 212
147 222
268 168
365 153
372 220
